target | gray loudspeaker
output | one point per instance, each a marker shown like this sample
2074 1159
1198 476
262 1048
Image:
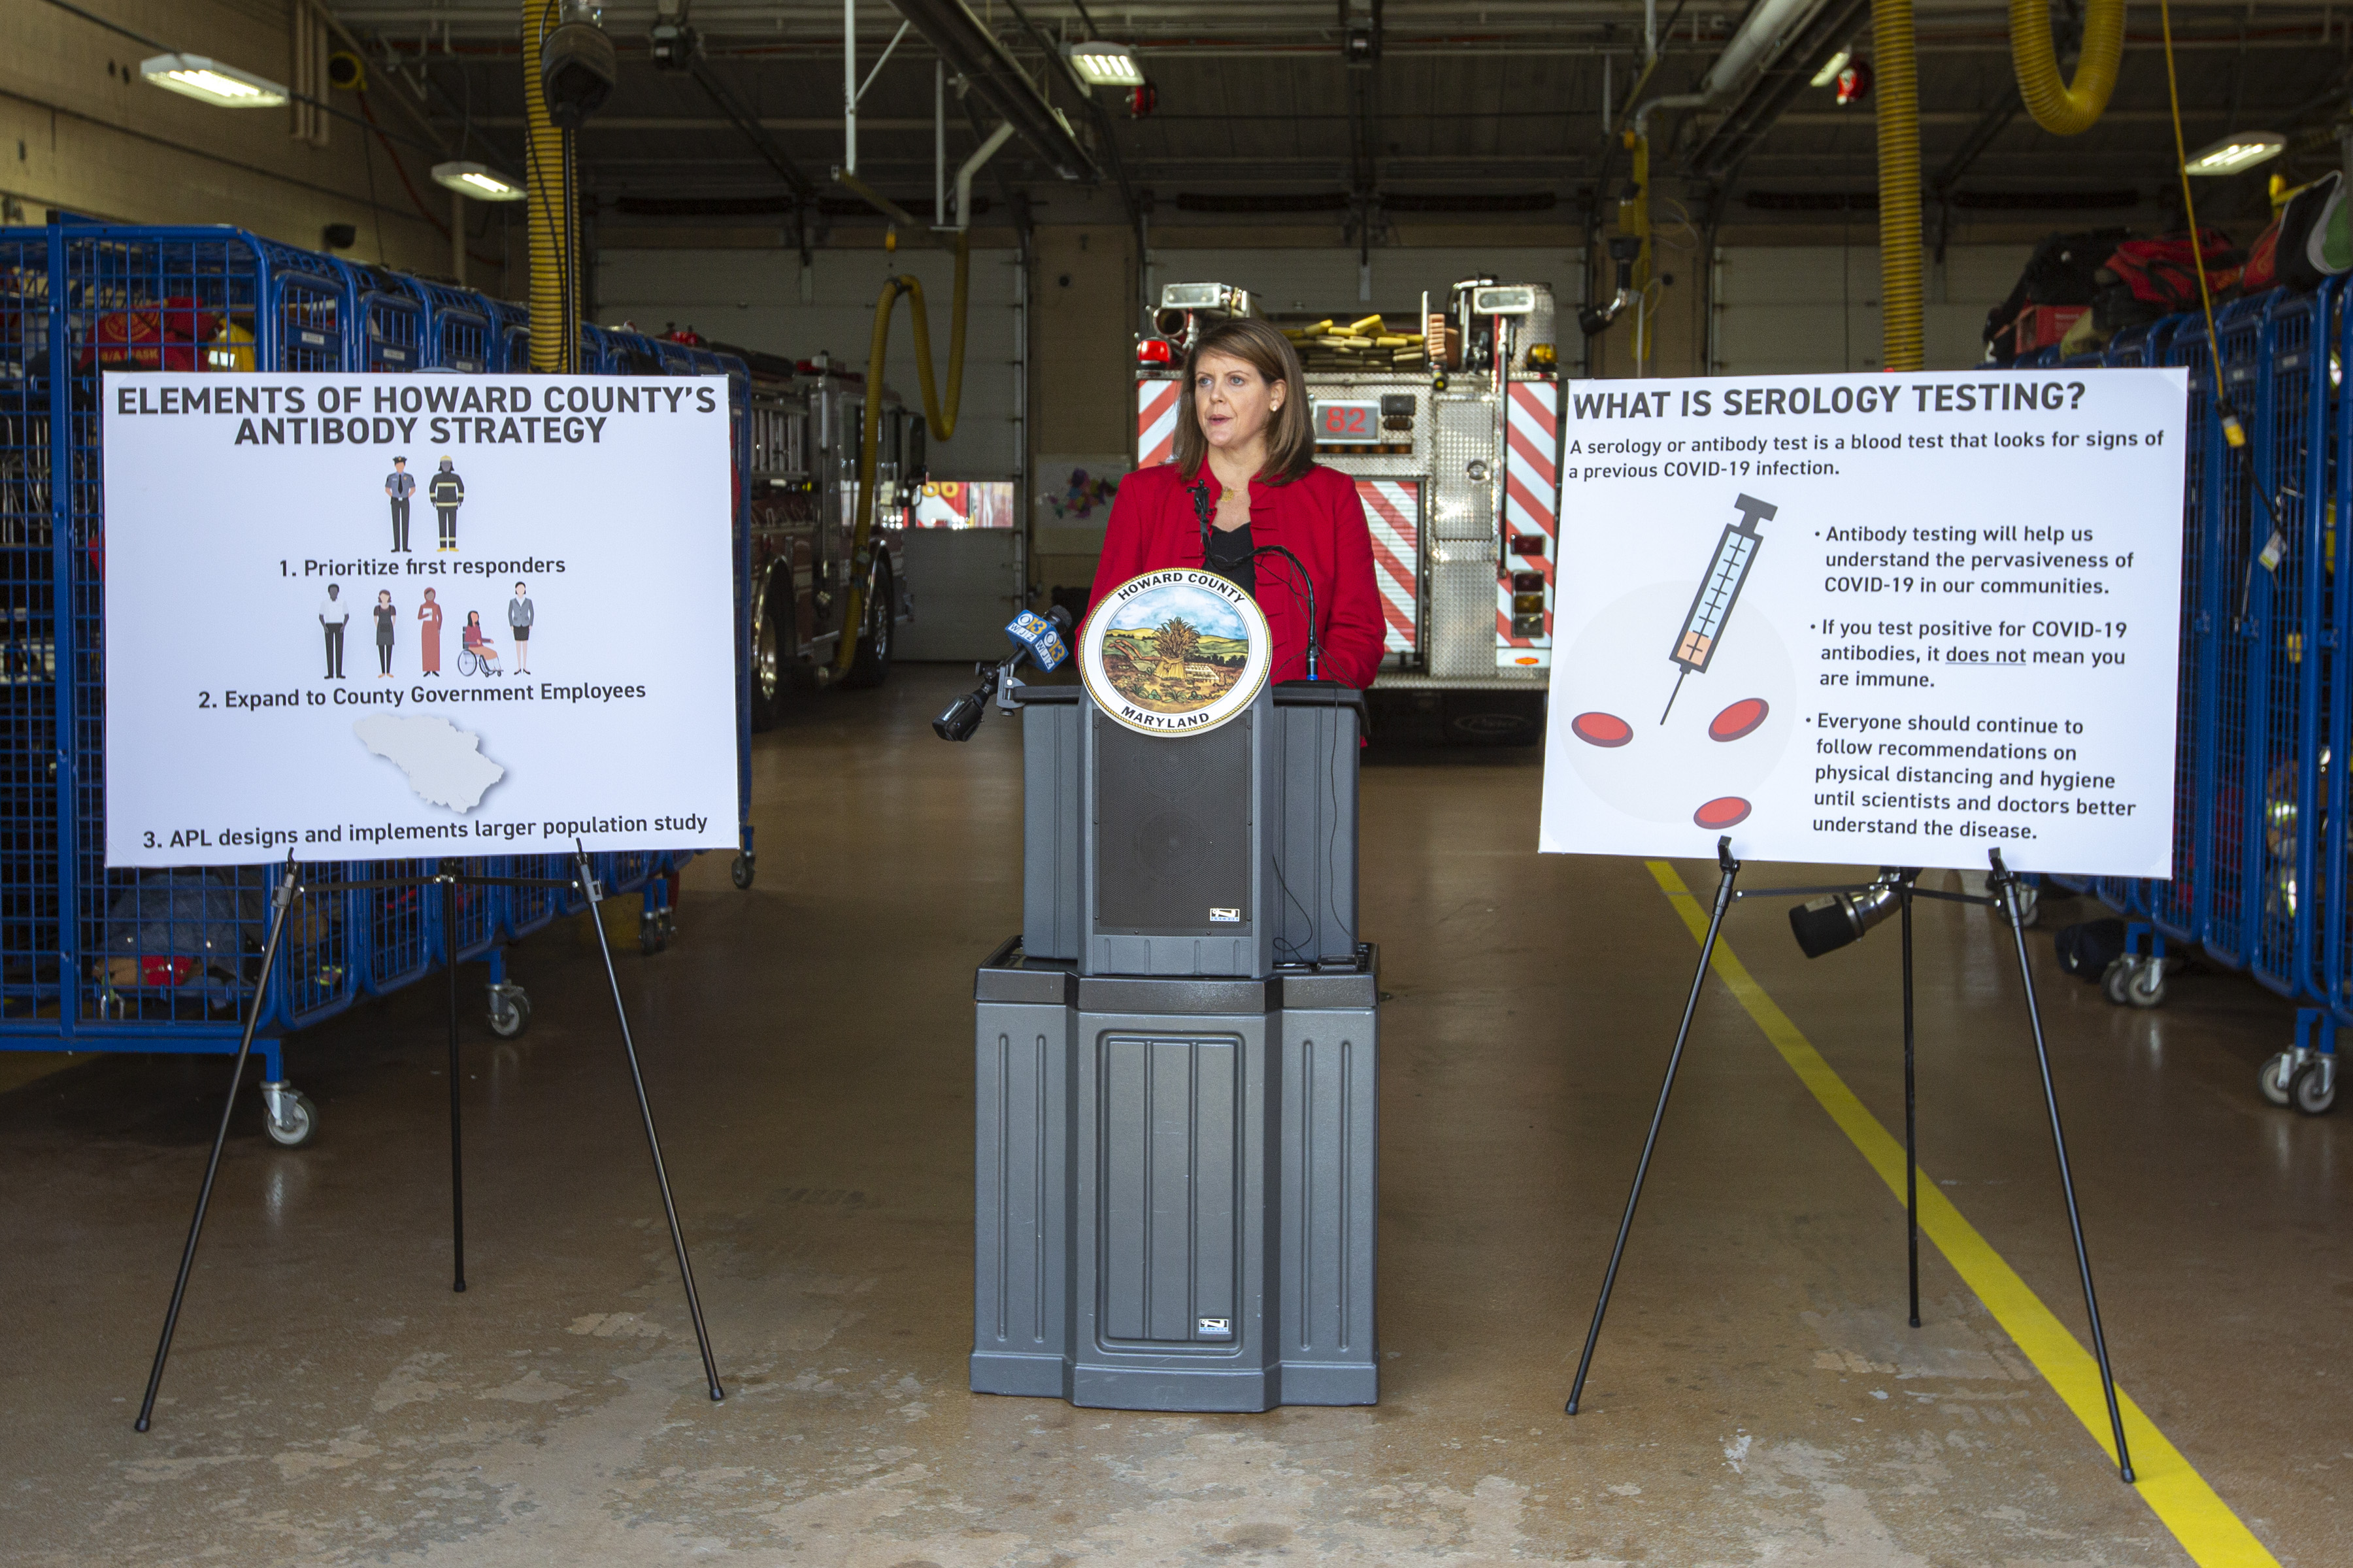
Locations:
1229 853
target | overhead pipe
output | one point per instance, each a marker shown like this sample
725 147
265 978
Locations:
1768 24
974 53
2066 108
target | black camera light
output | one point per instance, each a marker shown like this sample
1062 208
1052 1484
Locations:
1827 923
962 718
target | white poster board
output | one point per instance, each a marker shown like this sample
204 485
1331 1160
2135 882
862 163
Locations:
580 524
1871 618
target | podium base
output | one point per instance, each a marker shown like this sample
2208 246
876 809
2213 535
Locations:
1176 1188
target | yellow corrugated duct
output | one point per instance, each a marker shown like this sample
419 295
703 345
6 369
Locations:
941 418
549 219
2066 108
1898 91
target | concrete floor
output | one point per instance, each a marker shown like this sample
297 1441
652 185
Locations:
1758 1399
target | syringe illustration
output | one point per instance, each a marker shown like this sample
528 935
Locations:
1735 552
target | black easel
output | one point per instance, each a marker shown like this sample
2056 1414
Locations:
2003 878
448 878
1730 868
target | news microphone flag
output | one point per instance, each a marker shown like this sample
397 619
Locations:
1040 637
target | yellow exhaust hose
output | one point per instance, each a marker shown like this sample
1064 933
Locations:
1901 338
2066 108
548 218
942 421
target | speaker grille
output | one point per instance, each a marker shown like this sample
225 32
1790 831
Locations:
1172 830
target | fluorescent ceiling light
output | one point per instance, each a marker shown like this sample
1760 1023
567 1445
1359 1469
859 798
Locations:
477 181
1831 67
2244 150
1100 64
209 81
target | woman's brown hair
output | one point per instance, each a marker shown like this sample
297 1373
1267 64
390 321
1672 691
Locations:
1290 438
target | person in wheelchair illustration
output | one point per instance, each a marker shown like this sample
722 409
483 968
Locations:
476 654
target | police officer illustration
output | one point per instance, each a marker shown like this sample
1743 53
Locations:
446 491
398 486
334 613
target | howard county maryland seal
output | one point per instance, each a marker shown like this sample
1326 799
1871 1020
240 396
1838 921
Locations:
1175 652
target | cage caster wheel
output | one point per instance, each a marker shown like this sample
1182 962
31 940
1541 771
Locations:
2145 987
510 1011
2315 1090
742 871
651 935
2116 979
291 1120
2277 1079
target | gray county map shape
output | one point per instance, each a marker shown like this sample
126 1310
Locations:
444 763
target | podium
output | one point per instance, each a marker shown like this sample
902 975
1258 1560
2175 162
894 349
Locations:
1176 1068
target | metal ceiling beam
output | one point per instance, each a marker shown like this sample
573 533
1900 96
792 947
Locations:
1745 123
738 114
974 53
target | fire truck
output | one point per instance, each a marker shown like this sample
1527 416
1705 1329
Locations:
807 422
1450 429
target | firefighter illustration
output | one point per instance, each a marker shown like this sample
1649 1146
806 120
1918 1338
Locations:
446 491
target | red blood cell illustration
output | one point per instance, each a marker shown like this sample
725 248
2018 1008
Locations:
1740 719
1724 811
1601 728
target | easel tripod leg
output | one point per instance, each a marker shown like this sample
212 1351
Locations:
1730 868
285 897
2059 1144
646 1109
1910 1130
457 1147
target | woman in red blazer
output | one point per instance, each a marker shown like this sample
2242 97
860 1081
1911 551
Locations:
1245 478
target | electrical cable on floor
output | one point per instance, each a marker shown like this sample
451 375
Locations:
2233 433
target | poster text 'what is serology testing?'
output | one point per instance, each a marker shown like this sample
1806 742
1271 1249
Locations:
1887 619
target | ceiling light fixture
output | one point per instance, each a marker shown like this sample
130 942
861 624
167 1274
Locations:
1830 68
2243 150
1101 64
209 81
477 181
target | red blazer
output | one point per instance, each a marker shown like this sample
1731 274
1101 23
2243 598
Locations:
1316 517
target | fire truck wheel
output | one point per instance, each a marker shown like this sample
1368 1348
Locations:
871 667
772 678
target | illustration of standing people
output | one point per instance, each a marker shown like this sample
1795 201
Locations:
428 633
519 619
385 618
334 613
398 486
446 492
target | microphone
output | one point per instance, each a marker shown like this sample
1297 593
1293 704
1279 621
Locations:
1042 639
1041 636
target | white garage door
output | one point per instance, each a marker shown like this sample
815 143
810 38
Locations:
753 298
1788 309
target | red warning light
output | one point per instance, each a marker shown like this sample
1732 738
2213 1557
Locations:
1155 351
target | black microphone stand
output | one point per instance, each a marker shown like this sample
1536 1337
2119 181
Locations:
1314 644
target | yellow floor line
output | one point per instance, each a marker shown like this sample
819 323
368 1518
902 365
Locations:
2201 1522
